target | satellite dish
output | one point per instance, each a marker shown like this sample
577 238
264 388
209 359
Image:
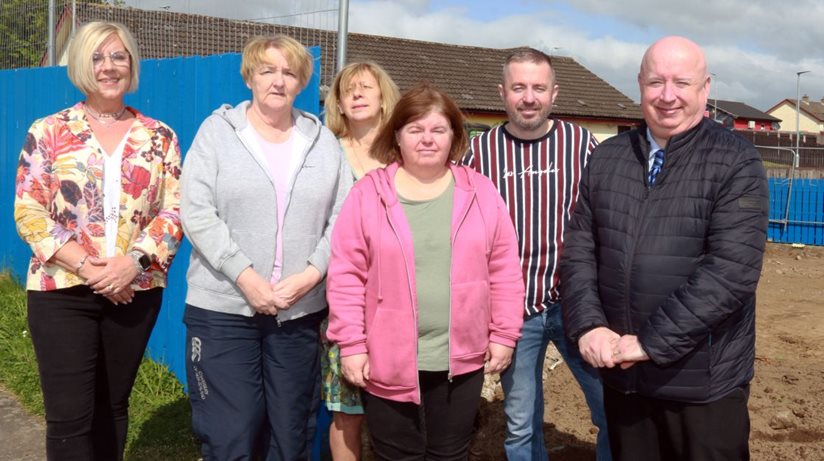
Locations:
726 121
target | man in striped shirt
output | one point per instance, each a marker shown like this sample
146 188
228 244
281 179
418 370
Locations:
536 164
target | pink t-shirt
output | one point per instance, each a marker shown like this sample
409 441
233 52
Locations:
279 159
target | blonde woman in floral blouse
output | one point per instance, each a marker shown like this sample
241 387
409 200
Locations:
97 201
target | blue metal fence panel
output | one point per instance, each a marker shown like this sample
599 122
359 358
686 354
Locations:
805 220
182 92
28 94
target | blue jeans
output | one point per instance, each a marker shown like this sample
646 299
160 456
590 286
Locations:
523 387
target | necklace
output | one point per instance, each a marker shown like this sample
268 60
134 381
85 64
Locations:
109 117
356 155
363 162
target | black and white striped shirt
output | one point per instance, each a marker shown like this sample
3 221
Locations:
538 180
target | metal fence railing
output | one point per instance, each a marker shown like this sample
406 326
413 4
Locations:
796 193
778 157
28 27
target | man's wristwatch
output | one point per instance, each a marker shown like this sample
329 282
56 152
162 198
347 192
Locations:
142 262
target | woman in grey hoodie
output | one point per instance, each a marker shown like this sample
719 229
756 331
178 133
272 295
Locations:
262 185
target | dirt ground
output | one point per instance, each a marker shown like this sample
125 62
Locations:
786 395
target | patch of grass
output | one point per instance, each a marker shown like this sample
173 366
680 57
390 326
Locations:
159 417
159 413
18 365
769 164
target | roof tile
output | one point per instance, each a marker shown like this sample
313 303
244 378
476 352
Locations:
469 74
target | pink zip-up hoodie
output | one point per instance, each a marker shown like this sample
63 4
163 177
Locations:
371 281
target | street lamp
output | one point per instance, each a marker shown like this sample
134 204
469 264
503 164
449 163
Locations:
715 104
798 116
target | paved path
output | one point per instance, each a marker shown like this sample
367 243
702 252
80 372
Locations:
22 436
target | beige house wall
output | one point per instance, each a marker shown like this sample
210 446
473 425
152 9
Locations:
786 112
601 131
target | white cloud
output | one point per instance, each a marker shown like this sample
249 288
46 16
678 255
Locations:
793 29
611 59
754 47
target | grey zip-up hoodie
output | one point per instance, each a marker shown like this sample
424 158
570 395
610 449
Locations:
228 208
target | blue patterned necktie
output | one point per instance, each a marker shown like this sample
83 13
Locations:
657 163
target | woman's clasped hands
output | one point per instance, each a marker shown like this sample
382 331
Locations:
111 277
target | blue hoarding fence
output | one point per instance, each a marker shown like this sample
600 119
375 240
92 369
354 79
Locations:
181 92
796 210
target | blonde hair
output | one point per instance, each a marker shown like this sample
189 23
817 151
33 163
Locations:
254 56
87 40
337 122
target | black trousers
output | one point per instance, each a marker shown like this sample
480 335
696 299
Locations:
88 352
648 429
440 429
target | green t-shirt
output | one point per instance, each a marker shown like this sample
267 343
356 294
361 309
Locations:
430 223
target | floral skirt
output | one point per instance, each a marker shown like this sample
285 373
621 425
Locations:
335 391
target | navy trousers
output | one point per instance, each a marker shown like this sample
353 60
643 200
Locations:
254 385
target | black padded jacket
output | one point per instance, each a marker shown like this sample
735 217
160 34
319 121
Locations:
676 264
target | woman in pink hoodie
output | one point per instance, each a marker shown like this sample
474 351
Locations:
424 283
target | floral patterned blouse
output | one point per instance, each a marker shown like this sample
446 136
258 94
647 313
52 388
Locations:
59 196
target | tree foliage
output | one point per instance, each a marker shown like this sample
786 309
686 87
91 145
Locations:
24 31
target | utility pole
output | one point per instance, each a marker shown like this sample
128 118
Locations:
343 26
51 56
714 104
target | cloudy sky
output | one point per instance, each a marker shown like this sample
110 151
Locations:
754 47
